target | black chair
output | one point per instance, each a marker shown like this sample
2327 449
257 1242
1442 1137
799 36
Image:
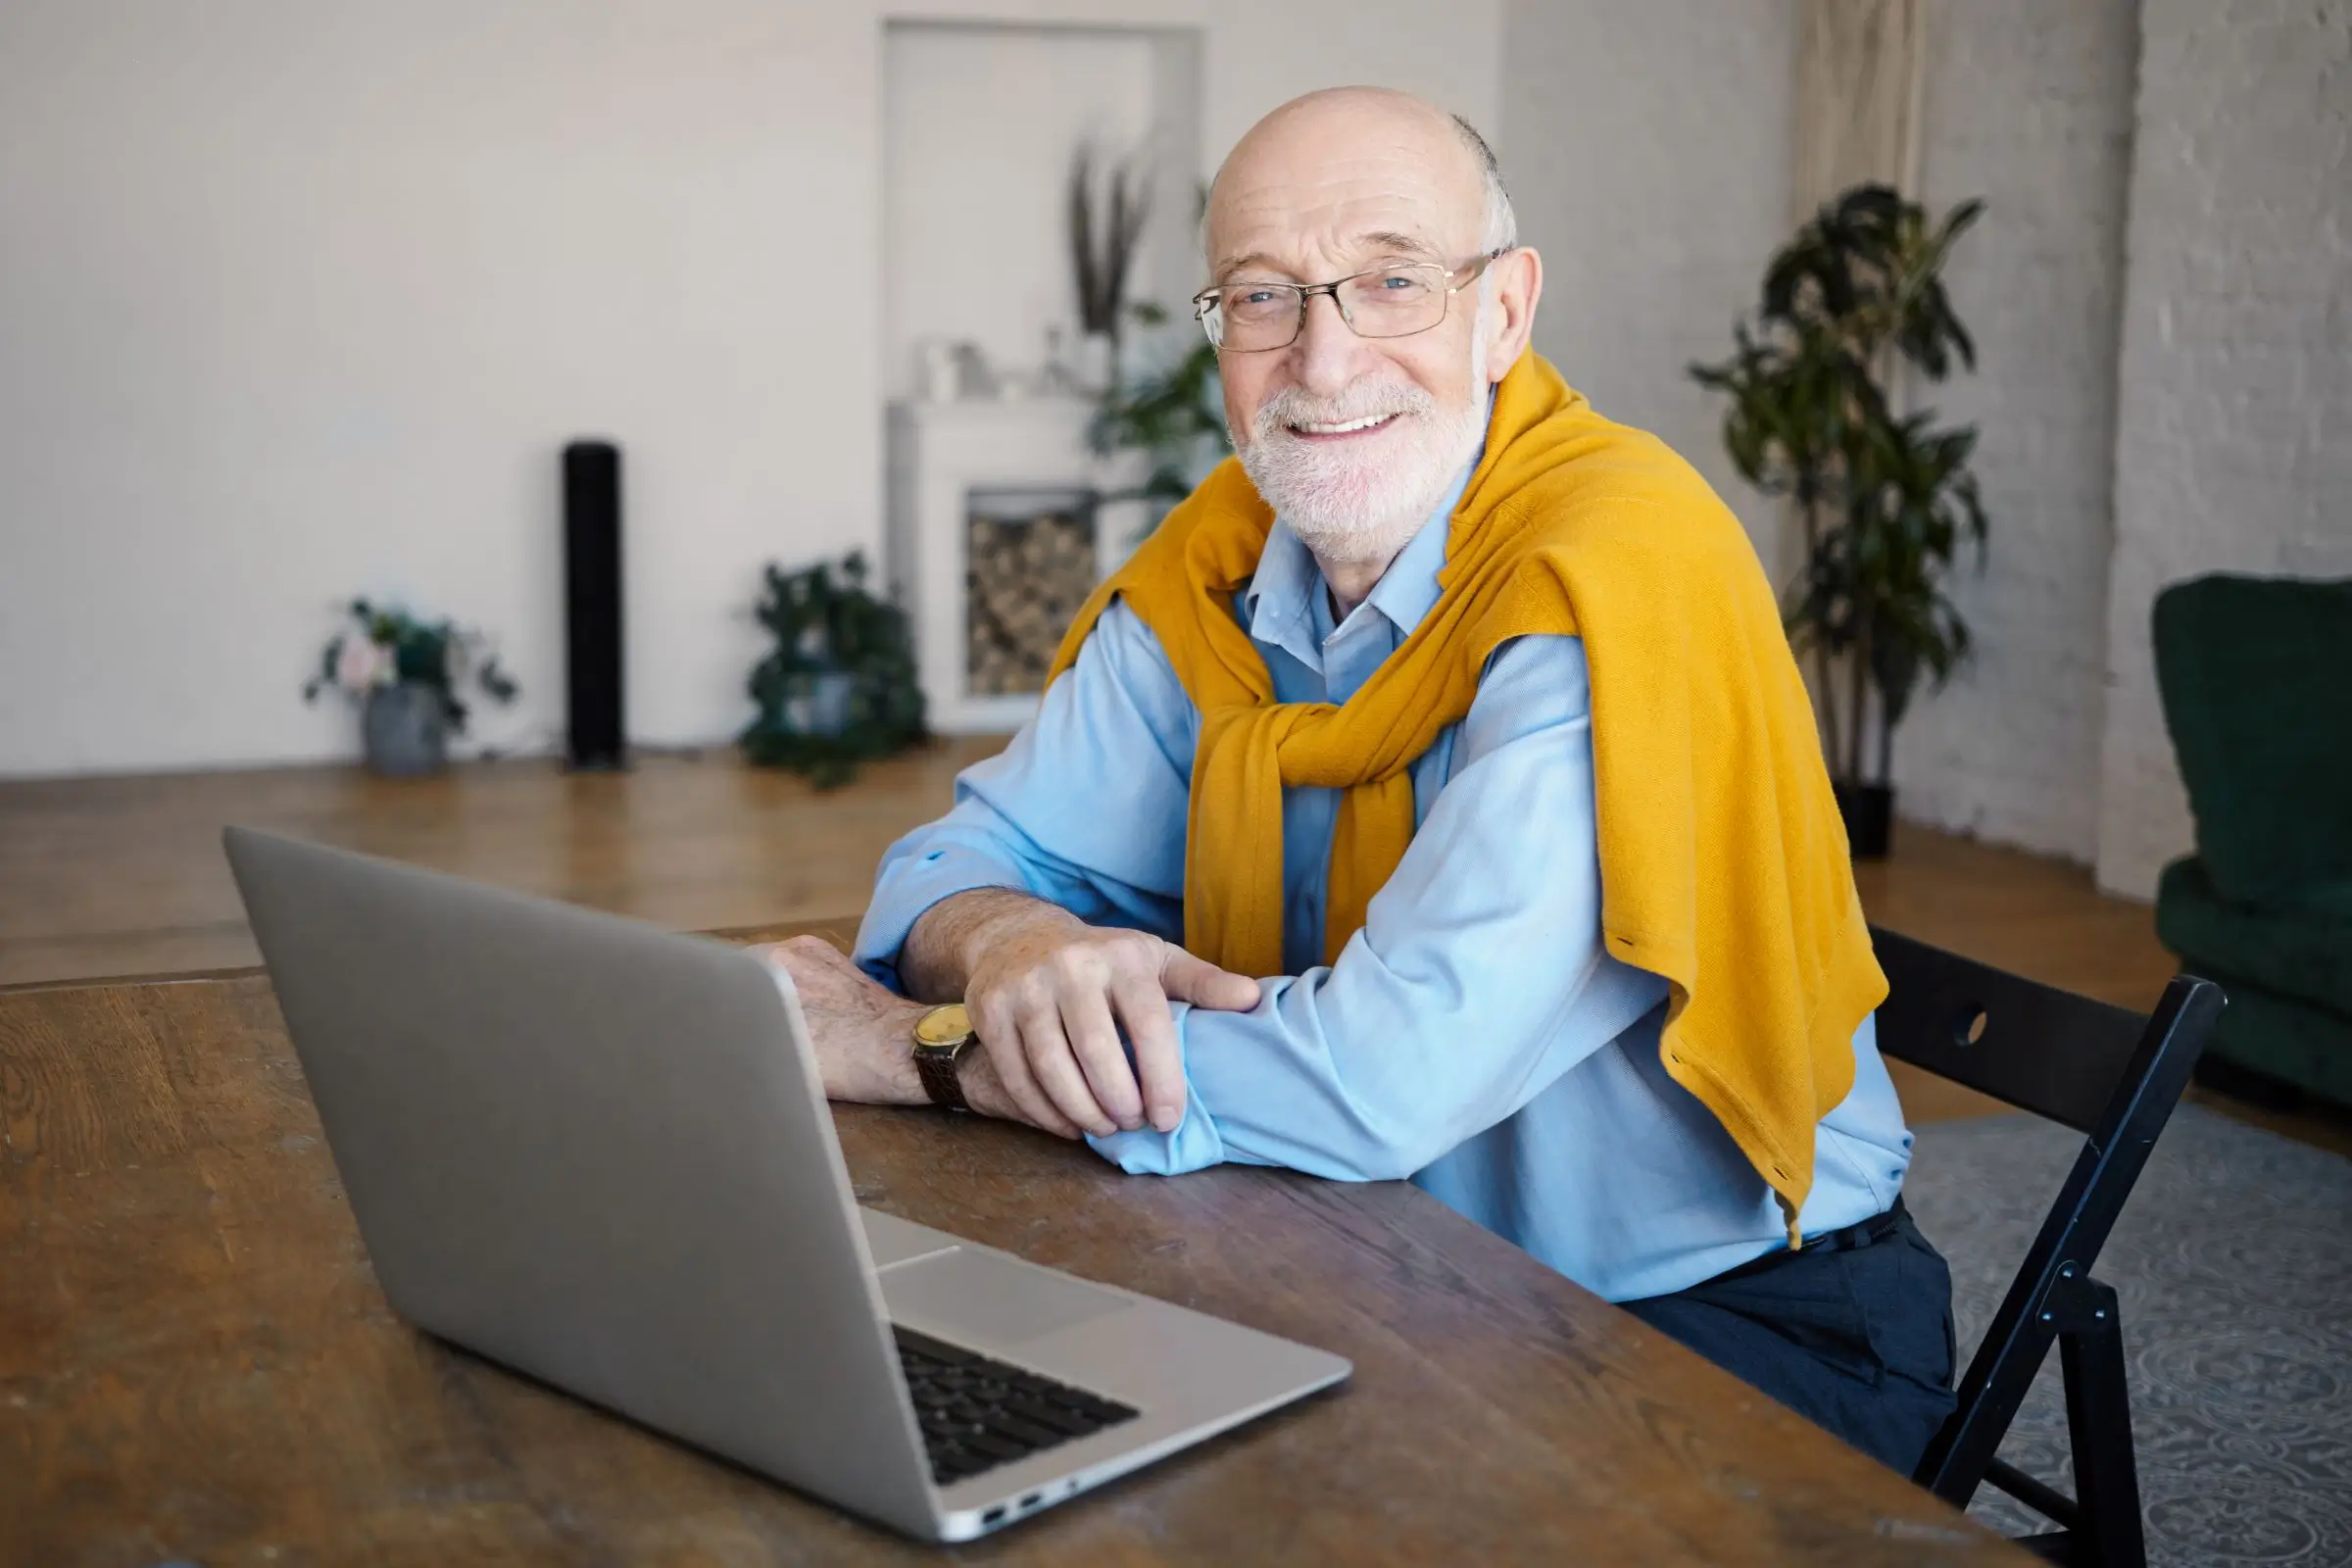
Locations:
2113 1076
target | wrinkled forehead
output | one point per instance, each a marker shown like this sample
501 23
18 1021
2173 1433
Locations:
1308 207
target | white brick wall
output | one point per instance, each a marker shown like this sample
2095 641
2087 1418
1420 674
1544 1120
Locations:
2029 105
1648 150
2234 444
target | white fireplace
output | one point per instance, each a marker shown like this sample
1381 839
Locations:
1013 476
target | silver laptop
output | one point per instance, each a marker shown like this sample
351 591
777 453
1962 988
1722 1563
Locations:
599 1152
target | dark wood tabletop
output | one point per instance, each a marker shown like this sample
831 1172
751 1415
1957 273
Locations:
196 1361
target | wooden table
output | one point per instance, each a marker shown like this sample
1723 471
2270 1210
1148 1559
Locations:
196 1362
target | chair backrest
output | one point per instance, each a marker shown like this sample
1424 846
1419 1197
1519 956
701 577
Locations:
2040 1049
2103 1071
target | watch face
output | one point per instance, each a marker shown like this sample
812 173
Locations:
941 1027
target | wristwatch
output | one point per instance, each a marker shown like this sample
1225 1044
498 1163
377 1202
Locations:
940 1038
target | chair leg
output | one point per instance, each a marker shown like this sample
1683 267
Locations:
2098 1419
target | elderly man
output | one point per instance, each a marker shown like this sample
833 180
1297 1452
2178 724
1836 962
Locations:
1434 797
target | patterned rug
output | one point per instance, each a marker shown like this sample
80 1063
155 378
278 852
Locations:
2233 1263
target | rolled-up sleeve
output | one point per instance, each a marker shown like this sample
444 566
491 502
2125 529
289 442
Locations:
1085 808
1479 978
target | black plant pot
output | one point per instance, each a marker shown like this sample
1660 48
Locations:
1869 813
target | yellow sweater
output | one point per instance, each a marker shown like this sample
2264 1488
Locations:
1724 866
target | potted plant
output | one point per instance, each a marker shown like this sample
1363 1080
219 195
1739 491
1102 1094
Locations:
840 686
1884 496
406 676
1173 417
1107 220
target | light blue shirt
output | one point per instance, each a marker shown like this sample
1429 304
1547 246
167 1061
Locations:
1474 1037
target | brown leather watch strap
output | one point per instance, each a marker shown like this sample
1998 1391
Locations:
938 1069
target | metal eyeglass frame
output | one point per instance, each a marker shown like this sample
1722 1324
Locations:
1460 278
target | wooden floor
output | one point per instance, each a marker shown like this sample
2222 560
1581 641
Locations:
124 876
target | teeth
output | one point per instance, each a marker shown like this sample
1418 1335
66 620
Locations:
1343 430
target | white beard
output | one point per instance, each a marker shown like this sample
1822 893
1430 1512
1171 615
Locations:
1363 509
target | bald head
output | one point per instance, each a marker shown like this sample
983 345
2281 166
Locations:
1324 138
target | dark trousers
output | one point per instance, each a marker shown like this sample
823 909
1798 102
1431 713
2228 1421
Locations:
1855 1337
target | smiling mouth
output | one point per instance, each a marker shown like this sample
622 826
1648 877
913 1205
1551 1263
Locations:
1344 429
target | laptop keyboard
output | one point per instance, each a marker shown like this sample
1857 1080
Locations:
977 1413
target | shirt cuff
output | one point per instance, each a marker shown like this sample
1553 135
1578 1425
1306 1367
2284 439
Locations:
1194 1144
907 893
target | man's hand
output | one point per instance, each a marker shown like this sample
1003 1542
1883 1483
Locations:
1048 993
864 1036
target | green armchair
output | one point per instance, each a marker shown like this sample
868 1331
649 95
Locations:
2256 675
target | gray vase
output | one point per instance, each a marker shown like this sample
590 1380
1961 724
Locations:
819 703
406 730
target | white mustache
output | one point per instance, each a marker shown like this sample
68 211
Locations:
1291 406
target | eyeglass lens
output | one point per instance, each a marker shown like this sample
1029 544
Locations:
1395 302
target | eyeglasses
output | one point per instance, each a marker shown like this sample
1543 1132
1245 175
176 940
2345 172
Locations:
1394 301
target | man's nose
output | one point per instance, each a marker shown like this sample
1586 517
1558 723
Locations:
1326 357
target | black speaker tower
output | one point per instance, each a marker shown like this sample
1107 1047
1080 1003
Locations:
592 604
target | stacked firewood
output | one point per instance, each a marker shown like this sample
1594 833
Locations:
1024 578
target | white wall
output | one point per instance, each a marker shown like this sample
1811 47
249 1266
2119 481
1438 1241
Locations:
2233 447
302 300
2029 105
1649 153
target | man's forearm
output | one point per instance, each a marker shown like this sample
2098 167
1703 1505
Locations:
936 962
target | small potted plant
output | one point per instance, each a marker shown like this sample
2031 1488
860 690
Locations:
405 674
1108 209
838 688
1173 415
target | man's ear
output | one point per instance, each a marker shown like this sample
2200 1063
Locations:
1517 279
